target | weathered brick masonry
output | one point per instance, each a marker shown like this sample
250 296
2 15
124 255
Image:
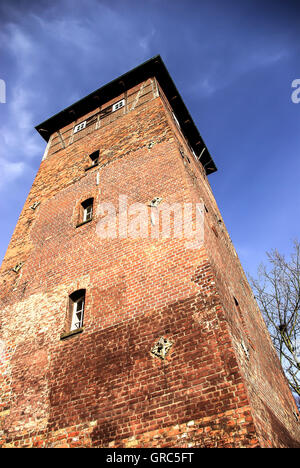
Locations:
221 384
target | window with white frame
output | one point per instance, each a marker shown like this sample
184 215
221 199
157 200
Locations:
77 303
118 105
87 208
79 127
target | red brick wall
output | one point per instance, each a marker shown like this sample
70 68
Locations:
103 387
273 406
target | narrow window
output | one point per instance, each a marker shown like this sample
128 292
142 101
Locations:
94 158
77 302
215 231
87 210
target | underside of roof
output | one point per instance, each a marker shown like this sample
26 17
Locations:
153 67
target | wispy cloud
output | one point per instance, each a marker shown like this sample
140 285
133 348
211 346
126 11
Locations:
82 44
145 41
216 79
10 171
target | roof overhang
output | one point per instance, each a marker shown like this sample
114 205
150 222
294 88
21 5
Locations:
153 67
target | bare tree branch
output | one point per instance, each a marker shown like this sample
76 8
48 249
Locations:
277 291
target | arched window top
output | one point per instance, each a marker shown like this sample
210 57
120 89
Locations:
77 294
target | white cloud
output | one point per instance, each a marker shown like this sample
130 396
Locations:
18 141
20 46
18 137
222 73
145 41
10 171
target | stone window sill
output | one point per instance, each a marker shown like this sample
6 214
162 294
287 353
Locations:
64 336
91 167
84 222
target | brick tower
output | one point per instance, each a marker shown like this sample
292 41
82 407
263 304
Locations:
132 340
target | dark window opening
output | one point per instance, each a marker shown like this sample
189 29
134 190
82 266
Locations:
94 157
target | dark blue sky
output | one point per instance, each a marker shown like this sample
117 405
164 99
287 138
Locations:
232 61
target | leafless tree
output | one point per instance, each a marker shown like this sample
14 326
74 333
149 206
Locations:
277 291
